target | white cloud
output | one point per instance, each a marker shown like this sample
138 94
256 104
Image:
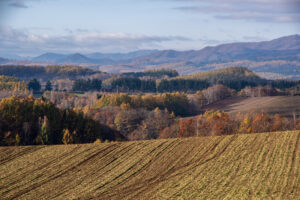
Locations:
278 11
14 3
25 42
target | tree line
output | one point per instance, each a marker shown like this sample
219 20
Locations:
155 73
87 85
216 123
173 102
12 83
181 85
139 124
192 85
48 72
134 84
236 78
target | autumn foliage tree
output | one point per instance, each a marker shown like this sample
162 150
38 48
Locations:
216 123
261 123
67 137
187 128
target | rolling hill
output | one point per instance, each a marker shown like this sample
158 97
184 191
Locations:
46 73
227 74
284 105
256 166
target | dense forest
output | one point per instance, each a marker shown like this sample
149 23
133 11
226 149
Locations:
181 85
226 74
87 85
134 84
156 73
73 78
173 102
48 72
236 78
28 121
11 83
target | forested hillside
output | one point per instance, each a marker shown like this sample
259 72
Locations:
236 78
231 73
29 121
47 73
11 83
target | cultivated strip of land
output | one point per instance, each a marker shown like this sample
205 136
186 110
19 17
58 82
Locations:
254 166
283 105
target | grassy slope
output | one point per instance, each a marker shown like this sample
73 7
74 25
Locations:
229 167
284 105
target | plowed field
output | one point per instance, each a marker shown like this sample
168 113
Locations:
257 166
284 105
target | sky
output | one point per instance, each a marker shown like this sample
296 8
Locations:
33 27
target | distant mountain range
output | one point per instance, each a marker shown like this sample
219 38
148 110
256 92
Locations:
93 58
285 48
283 52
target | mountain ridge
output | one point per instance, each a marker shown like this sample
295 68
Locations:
289 45
279 54
229 52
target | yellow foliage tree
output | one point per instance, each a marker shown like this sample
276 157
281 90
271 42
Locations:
67 137
245 126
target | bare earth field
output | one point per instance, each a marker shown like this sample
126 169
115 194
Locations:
283 105
257 166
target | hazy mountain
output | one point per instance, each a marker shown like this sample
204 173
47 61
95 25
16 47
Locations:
285 48
48 57
291 42
14 56
95 58
71 59
75 58
120 56
79 58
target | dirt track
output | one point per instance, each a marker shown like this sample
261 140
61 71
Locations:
229 167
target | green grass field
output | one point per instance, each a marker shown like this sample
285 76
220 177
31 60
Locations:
255 166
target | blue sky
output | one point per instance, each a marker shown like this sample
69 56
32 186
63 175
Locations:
33 27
